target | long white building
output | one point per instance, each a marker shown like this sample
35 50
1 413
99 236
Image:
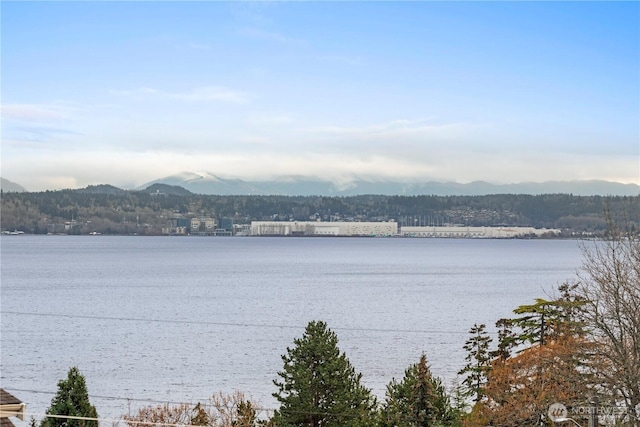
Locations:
320 228
384 229
475 232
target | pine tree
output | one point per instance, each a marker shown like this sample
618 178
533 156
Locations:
72 400
318 386
479 362
546 320
506 340
419 400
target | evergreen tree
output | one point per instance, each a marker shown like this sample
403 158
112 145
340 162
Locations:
447 412
549 320
506 340
318 386
479 362
72 399
537 322
419 400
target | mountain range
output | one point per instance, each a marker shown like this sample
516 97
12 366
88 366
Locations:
208 183
7 185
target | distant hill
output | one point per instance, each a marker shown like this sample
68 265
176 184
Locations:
173 190
157 188
102 189
211 184
7 185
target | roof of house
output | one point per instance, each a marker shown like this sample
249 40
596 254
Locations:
10 404
6 422
7 398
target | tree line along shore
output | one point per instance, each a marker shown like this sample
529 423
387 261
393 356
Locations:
108 210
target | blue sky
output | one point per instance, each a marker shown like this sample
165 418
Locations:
127 92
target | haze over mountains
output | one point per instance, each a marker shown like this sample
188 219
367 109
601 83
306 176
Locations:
209 183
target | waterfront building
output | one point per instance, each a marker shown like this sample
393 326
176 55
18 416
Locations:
475 232
320 228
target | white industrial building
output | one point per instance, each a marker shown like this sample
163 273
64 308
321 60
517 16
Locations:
475 232
319 228
384 229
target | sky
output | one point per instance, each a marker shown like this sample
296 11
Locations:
124 93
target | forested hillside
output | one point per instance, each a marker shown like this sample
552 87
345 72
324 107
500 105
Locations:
110 210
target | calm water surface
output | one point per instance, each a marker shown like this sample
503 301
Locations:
179 318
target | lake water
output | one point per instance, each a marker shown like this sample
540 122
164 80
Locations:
150 319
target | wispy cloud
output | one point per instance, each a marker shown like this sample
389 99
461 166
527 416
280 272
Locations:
198 94
274 118
34 112
42 133
37 125
399 132
377 128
